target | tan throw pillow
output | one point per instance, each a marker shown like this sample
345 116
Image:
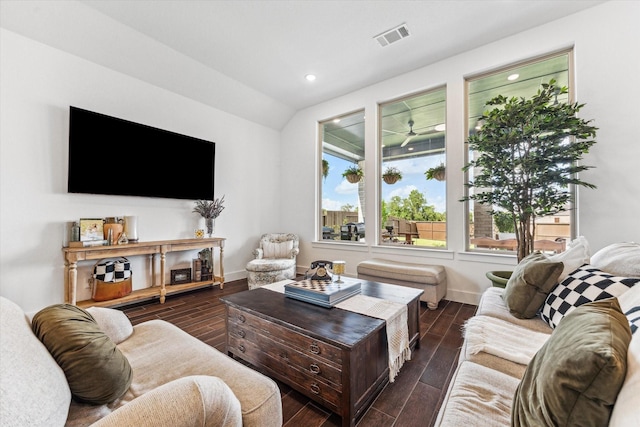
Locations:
96 370
529 285
574 379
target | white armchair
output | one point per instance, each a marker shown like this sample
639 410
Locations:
275 259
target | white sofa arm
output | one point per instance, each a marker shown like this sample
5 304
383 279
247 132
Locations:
197 400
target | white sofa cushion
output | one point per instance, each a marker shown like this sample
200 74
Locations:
576 255
33 388
625 411
113 322
477 396
619 259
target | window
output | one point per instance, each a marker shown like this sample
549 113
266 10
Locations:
496 233
342 215
413 189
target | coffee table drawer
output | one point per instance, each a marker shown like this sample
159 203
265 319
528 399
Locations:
305 344
274 359
241 337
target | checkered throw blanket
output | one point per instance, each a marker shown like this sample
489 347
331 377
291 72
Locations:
393 313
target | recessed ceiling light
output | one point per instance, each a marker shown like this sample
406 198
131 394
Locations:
441 127
410 148
310 77
336 120
513 77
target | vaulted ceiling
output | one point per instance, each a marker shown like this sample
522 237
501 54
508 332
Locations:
261 50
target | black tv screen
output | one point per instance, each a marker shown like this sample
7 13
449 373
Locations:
108 155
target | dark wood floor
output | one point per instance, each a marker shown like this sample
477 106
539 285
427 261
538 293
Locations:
412 400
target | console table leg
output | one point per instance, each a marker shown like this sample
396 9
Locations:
72 277
163 290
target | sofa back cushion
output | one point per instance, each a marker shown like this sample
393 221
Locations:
619 259
575 377
33 388
96 370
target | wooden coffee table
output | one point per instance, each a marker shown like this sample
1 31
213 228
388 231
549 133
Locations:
337 358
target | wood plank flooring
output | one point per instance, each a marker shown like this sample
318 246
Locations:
412 400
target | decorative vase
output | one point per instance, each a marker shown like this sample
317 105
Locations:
210 223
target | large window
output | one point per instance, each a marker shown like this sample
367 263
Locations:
413 160
343 215
496 233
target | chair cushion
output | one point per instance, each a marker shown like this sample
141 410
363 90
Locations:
529 285
584 285
575 378
96 370
273 249
263 264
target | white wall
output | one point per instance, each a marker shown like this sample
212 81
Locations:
607 69
38 84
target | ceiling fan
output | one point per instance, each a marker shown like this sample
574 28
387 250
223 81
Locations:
411 134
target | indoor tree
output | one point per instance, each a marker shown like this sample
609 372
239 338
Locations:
526 158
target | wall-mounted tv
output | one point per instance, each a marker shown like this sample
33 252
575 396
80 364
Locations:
108 155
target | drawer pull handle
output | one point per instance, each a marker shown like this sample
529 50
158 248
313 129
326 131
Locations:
314 348
241 348
315 389
241 334
241 318
315 369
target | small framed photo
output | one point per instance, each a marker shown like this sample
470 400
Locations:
91 229
180 276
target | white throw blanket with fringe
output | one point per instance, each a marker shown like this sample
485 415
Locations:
393 313
502 339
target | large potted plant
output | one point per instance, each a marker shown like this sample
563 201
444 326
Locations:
526 158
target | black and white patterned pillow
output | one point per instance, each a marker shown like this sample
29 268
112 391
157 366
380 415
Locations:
586 284
633 314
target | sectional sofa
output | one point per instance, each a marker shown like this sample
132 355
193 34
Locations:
151 374
573 362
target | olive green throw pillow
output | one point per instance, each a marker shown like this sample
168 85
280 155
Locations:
532 280
96 370
574 379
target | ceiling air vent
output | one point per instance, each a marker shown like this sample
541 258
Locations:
393 35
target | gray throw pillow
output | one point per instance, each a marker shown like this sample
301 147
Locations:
575 378
532 280
96 370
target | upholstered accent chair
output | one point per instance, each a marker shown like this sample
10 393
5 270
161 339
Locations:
275 259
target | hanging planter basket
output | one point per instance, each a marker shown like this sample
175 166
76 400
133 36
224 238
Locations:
437 173
353 178
390 179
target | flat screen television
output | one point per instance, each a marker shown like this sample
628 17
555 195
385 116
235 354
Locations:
108 155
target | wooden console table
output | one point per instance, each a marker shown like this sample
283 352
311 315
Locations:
162 247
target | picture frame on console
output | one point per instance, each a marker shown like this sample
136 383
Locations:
91 229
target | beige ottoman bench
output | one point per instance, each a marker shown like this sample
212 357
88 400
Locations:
432 279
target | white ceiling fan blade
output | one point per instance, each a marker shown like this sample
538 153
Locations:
406 141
